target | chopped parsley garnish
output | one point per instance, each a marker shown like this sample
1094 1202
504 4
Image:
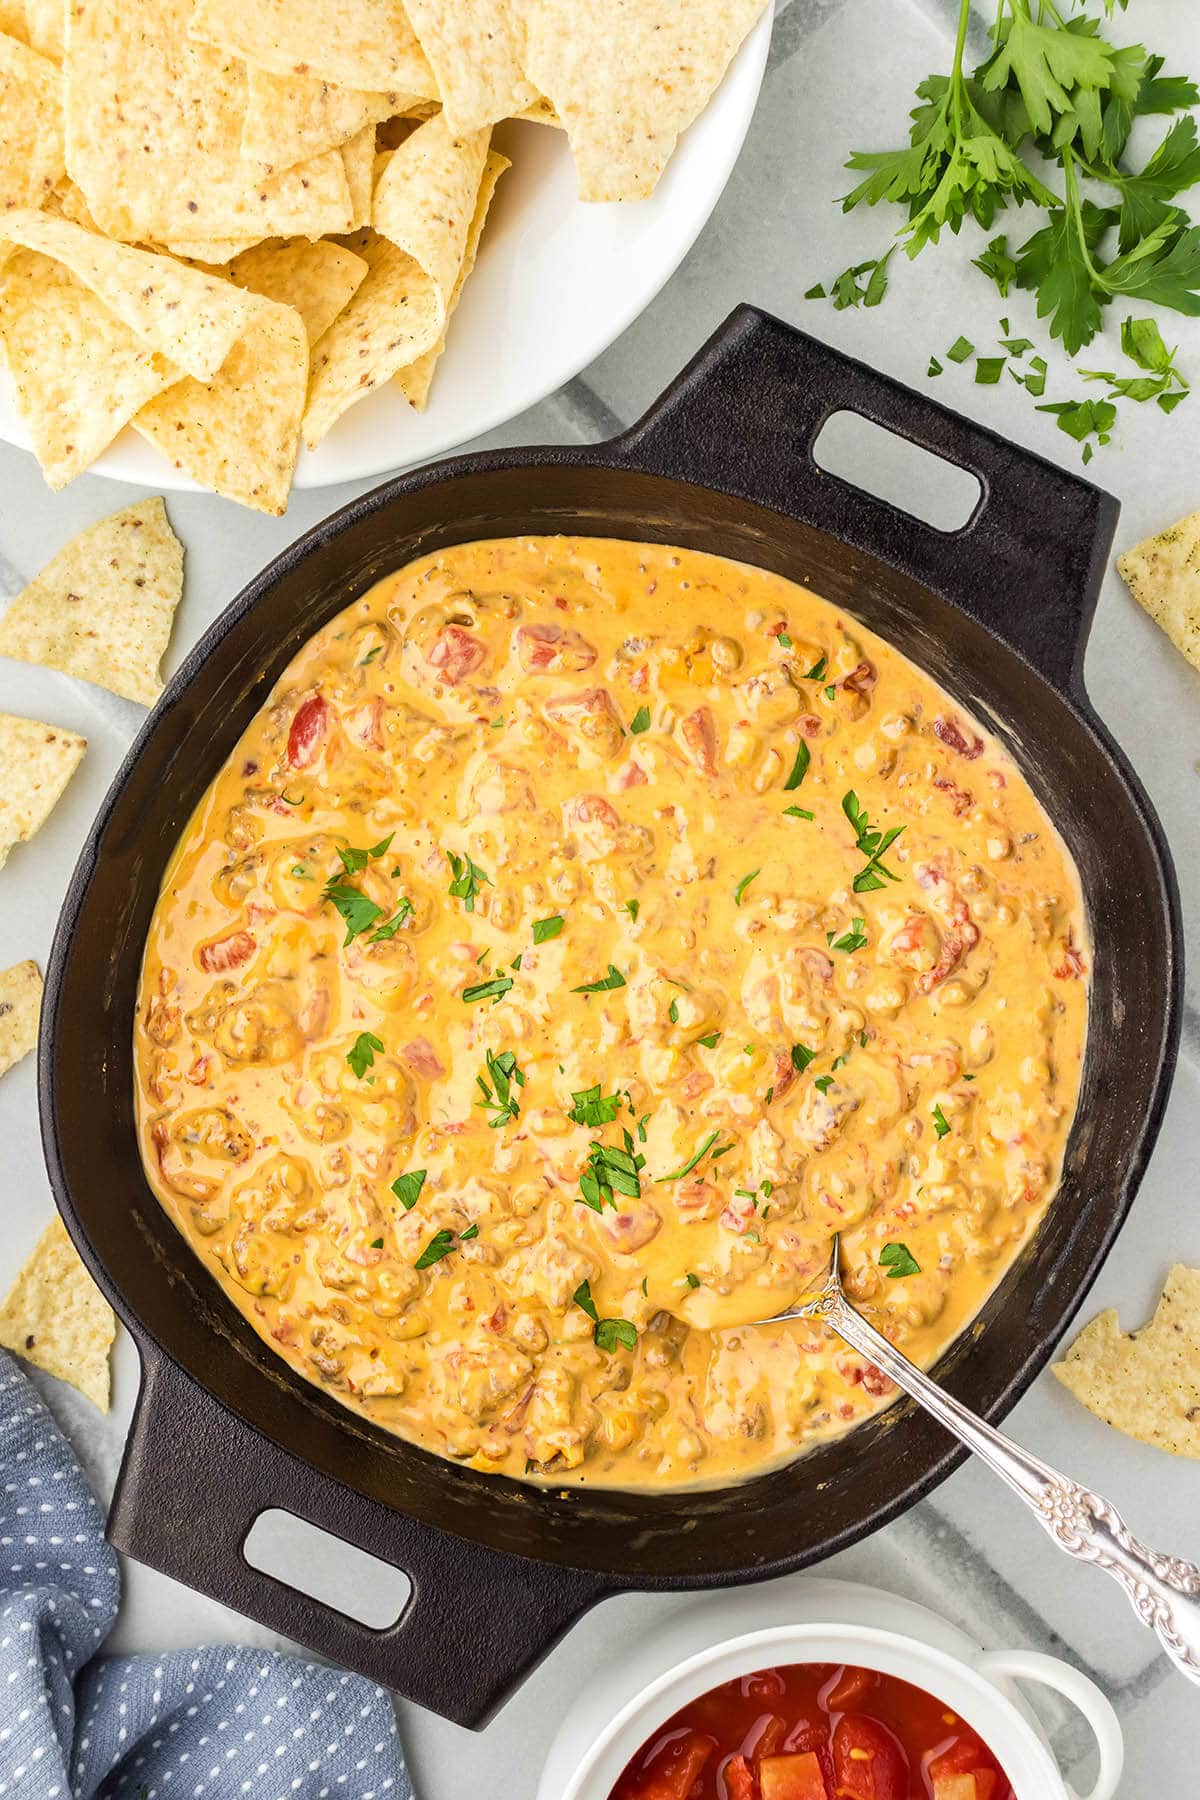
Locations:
851 940
711 1041
935 367
633 908
472 1231
376 1243
614 979
743 884
831 690
797 812
492 990
781 637
673 1012
610 1168
941 1123
468 878
353 861
516 961
689 1165
988 370
407 1188
610 1334
817 670
799 767
300 872
873 844
960 349
497 1093
361 1055
801 1057
389 930
582 1297
770 1094
898 1260
839 1060
823 1083
641 720
593 1107
370 656
693 1281
357 909
545 929
439 1245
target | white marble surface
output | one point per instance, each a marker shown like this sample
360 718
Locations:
841 74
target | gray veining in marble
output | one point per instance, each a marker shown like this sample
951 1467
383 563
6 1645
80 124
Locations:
841 72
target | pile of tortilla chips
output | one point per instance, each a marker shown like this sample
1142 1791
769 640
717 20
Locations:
225 222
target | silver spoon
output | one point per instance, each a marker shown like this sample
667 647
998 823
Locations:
1164 1591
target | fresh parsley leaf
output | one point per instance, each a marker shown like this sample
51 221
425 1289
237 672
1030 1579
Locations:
799 767
465 1237
960 350
872 843
614 979
940 1122
816 292
439 1245
1142 342
673 1012
493 990
361 1055
693 1281
997 264
988 370
633 908
690 1164
711 1041
387 931
935 367
783 640
545 929
407 1188
370 656
608 1168
1046 63
611 1334
797 812
823 1083
357 910
851 940
1083 420
641 720
468 879
817 670
743 884
497 1093
593 1107
376 1243
898 1260
582 1297
801 1057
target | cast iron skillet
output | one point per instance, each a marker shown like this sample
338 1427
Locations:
998 613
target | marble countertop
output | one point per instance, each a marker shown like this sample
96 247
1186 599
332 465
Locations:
969 1552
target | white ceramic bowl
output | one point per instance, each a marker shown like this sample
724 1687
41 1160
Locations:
555 284
813 1620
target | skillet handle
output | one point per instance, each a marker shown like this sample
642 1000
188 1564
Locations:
195 1478
744 415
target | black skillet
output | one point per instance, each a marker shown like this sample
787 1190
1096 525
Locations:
998 613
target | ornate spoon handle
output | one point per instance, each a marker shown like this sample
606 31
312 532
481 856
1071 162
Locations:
1164 1591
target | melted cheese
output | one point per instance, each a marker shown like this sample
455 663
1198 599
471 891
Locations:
630 739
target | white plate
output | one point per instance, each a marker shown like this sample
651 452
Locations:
556 282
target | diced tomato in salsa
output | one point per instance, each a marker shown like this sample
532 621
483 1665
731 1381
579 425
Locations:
814 1731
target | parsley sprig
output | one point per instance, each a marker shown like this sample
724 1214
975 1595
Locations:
607 1334
611 1168
873 844
497 1093
468 879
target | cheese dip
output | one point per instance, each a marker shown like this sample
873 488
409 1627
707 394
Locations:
581 934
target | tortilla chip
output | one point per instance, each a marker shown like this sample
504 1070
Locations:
57 1319
1164 577
475 50
36 763
45 22
213 253
626 87
416 380
366 44
78 374
239 434
317 279
292 117
102 610
540 112
137 83
20 1004
1145 1383
425 199
358 160
31 126
395 316
188 317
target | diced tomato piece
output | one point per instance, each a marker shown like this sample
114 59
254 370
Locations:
227 952
307 732
964 1756
792 1778
455 653
867 1760
677 1768
851 1683
699 734
739 1779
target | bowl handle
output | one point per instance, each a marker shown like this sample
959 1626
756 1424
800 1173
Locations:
195 1478
1031 1665
745 413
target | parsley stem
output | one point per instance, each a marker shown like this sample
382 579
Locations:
1076 211
956 78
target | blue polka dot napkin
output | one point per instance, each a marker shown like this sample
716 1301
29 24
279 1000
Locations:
217 1723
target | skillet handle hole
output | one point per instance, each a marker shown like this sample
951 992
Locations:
326 1568
893 469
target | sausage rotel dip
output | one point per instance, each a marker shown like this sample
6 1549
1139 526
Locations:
581 934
